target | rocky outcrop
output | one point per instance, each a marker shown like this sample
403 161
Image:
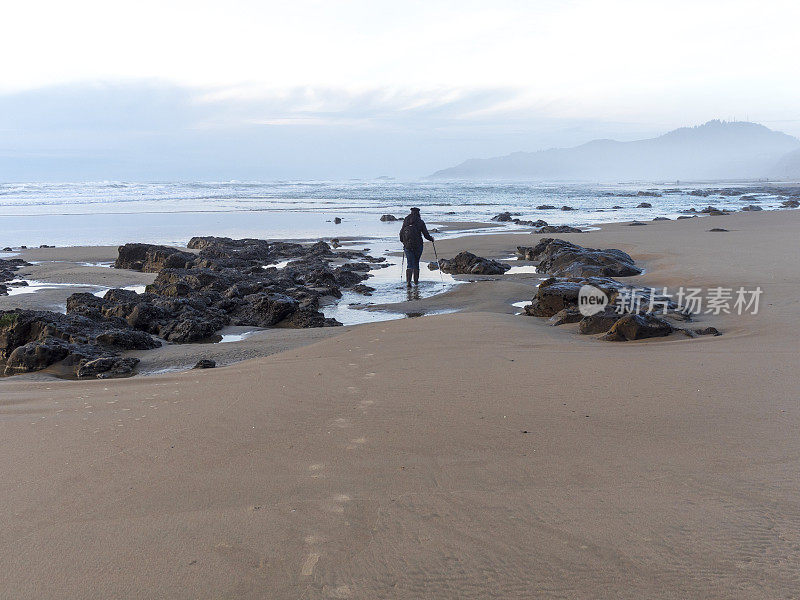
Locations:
565 259
644 205
564 316
466 263
714 211
34 340
599 322
107 366
545 207
638 327
507 217
558 229
230 282
194 295
557 293
752 208
8 272
790 203
557 299
150 258
389 218
205 363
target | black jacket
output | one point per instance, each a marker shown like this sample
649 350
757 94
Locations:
412 231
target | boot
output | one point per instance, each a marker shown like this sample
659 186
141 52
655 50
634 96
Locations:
409 272
416 276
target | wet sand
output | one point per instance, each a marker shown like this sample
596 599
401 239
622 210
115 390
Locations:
470 455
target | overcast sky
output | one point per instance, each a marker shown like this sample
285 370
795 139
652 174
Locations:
244 89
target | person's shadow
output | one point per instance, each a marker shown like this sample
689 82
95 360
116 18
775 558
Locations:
412 293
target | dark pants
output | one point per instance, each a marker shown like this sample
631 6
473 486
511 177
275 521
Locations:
412 258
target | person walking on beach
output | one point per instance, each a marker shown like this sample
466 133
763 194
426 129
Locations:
411 235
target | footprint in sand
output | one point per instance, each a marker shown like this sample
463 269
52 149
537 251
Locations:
341 423
356 443
309 564
340 591
338 503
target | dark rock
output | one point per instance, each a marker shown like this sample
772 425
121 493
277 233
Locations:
107 366
637 327
8 249
545 207
433 266
150 258
466 263
502 217
599 322
661 219
337 220
8 270
717 229
644 205
567 315
636 224
304 318
46 246
558 229
616 207
686 217
36 355
205 363
563 258
389 218
556 294
714 211
365 290
706 331
567 208
537 223
335 242
751 208
790 203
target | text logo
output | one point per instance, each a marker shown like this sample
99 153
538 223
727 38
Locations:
591 300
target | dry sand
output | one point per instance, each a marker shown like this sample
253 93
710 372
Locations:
469 455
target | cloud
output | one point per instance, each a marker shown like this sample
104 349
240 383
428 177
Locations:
148 129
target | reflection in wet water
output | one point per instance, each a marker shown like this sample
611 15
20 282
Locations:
18 287
139 289
522 269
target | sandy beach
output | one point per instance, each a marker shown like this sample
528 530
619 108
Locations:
478 454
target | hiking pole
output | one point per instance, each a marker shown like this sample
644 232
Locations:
438 264
402 262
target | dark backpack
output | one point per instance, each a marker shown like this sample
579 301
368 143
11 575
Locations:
410 233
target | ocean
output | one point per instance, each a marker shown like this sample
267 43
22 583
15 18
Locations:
111 213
